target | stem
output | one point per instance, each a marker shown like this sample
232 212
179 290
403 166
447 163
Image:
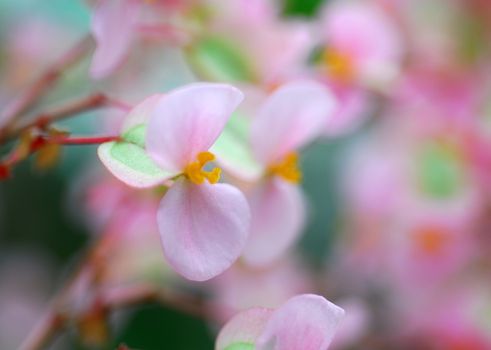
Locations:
88 103
44 332
32 95
111 299
88 140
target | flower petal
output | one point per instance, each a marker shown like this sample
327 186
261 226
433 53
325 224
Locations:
188 121
127 159
130 164
140 114
112 25
306 322
233 151
241 332
289 119
203 227
362 31
278 216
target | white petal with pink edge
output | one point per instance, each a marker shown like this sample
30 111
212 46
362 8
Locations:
290 118
278 216
140 114
203 228
188 121
306 322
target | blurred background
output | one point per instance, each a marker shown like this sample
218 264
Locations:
398 230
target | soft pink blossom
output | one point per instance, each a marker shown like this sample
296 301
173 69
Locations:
363 44
203 224
292 117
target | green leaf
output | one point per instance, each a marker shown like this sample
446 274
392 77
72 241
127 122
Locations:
216 59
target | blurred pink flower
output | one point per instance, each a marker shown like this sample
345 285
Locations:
293 116
363 45
306 322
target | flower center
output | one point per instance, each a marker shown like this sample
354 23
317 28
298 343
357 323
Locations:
195 172
287 168
338 64
431 240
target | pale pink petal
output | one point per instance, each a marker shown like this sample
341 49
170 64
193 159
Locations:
290 118
113 24
278 216
306 322
203 227
352 111
243 329
141 113
188 121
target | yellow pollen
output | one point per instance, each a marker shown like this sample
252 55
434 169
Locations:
287 168
194 171
338 64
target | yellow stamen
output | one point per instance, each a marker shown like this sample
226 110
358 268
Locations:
194 171
287 168
338 65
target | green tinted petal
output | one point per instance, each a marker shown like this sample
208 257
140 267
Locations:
240 346
130 163
233 151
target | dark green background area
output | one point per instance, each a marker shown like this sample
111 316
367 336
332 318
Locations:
35 214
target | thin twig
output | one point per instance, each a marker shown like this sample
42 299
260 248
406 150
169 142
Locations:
86 140
88 103
44 332
32 95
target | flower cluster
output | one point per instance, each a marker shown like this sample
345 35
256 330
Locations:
263 162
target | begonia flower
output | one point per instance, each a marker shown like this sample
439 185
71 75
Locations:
306 322
362 43
203 224
290 118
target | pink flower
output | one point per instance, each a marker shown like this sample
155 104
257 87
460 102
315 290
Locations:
203 224
363 45
306 322
289 119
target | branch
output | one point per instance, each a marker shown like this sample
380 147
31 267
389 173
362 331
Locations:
32 95
44 332
88 103
76 141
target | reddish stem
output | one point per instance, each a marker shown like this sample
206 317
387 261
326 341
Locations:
31 96
88 140
85 104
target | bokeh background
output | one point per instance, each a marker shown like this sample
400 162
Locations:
398 229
